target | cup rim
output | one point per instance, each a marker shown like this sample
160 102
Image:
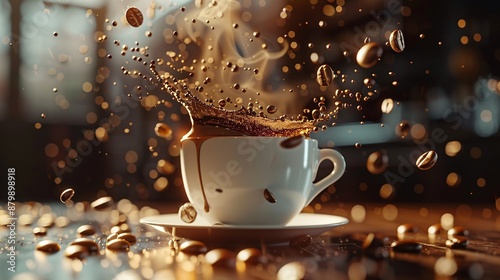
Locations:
243 136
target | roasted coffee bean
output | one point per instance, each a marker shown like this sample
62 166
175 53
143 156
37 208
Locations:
457 242
435 229
457 231
25 220
370 241
120 229
324 75
88 243
251 256
86 230
220 258
62 221
134 16
294 270
48 246
396 41
112 236
407 228
387 105
369 55
102 204
39 231
118 245
269 196
427 160
193 247
300 241
66 195
292 142
377 162
46 221
187 213
127 236
406 246
76 252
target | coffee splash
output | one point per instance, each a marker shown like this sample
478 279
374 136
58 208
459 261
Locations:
208 120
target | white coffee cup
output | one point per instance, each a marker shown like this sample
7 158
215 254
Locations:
240 180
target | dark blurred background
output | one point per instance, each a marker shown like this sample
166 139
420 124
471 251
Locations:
66 119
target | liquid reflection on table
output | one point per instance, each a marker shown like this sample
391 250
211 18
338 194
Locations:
359 250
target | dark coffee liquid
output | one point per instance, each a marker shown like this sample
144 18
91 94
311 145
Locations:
209 120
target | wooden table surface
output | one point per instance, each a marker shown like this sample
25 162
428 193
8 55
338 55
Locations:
361 249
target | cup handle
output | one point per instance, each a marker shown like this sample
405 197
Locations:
338 170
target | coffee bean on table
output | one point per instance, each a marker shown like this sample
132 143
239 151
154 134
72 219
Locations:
62 221
193 247
404 229
457 231
269 196
86 230
46 221
118 245
435 229
120 229
76 252
48 246
111 236
251 256
39 231
406 246
370 241
301 241
127 236
294 270
407 228
457 242
220 258
187 213
89 244
102 204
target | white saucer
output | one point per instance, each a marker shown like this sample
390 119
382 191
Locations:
200 229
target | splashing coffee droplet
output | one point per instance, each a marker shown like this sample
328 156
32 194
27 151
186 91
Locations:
66 195
292 142
118 245
269 196
271 109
